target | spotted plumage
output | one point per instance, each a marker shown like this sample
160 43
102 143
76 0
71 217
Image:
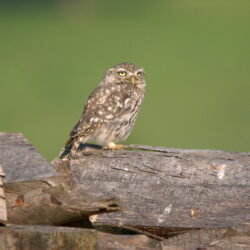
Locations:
110 112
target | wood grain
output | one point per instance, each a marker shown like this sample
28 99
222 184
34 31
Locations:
20 160
162 188
196 199
37 192
47 237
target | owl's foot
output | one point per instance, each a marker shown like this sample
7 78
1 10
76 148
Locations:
113 146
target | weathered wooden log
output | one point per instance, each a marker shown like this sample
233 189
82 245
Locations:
163 190
37 194
3 210
21 162
235 238
47 237
55 206
195 198
25 169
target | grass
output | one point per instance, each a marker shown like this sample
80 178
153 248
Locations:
195 53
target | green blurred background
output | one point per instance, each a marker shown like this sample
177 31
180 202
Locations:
196 55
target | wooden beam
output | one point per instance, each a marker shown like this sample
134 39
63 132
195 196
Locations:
20 160
163 190
55 206
235 238
47 237
38 193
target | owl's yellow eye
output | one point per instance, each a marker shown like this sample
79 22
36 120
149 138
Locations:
122 73
139 73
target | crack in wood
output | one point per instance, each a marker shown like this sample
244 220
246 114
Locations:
127 171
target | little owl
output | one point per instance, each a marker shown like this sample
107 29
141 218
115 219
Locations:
110 112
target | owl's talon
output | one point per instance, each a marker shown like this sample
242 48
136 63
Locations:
113 146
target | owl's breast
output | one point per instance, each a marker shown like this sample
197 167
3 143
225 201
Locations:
117 114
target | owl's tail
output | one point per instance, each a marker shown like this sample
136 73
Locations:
75 144
69 142
70 148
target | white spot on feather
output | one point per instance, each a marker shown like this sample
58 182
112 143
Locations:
94 119
126 101
110 116
119 104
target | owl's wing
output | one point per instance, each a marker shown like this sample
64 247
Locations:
105 104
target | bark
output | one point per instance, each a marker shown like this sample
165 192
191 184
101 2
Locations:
236 238
53 238
21 162
48 237
197 199
168 190
55 206
38 193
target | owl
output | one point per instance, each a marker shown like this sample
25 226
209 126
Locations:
111 109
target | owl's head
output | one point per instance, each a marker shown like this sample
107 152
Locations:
125 73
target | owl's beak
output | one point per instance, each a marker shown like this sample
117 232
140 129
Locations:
133 80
